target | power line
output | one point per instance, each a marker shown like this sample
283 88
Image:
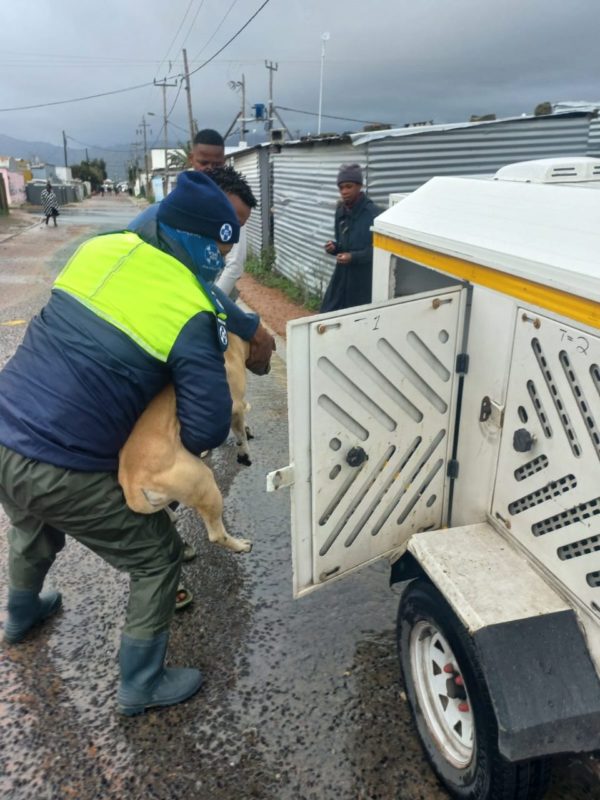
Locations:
217 29
78 99
229 41
176 99
139 85
193 23
329 116
176 35
173 125
97 146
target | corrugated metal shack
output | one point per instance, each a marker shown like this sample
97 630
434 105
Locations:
65 193
594 138
302 174
253 163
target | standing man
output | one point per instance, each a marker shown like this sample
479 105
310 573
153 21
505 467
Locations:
130 318
208 153
350 284
49 203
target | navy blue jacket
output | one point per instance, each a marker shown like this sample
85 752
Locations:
76 385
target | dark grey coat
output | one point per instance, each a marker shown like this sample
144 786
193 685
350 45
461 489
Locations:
350 284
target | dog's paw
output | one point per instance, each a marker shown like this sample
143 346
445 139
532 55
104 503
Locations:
243 545
245 460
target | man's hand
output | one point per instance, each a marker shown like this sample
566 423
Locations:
330 247
344 258
262 345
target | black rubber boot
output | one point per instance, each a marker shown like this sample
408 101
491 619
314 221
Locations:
146 682
26 609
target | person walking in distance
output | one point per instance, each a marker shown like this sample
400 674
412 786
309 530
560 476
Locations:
49 203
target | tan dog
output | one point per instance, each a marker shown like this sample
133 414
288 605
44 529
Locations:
155 468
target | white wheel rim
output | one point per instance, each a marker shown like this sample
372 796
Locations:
452 728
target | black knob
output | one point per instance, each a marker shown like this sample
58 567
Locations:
523 440
356 456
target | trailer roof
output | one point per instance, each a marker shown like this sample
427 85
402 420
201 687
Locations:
546 233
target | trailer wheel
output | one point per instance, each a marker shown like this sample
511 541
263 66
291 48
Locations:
451 705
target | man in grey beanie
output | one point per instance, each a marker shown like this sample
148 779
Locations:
350 284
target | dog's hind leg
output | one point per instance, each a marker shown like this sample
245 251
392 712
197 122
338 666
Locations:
198 489
241 431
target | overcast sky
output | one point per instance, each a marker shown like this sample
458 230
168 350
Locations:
394 61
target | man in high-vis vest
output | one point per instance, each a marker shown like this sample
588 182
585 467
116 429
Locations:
124 319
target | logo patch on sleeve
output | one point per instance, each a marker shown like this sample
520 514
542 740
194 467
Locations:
222 334
226 232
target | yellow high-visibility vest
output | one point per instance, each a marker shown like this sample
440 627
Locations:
145 293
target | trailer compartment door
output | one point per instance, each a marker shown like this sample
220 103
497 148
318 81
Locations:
372 395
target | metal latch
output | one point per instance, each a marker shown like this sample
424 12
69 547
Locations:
280 478
492 412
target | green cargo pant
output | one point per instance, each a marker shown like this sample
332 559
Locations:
44 503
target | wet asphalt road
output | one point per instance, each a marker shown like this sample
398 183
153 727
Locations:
301 698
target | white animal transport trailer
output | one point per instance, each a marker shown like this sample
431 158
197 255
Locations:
453 426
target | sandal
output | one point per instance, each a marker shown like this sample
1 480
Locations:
189 551
183 598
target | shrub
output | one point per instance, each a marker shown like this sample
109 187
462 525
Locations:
262 268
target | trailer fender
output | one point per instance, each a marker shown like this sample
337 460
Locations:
542 681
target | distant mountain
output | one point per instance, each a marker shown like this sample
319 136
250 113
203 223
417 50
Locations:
116 158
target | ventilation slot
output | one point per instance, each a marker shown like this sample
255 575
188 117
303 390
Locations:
572 515
421 491
581 548
595 373
412 376
547 492
583 405
558 403
593 579
531 467
560 172
356 393
539 409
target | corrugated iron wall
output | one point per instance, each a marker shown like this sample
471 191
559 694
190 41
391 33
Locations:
404 163
594 138
305 192
254 166
64 194
304 199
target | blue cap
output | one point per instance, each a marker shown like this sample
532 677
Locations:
197 205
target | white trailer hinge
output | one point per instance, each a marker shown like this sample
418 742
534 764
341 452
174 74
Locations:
280 478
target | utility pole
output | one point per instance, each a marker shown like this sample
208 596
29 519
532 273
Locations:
164 85
272 68
243 111
143 127
65 148
135 163
188 90
87 157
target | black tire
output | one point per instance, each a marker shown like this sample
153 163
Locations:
477 772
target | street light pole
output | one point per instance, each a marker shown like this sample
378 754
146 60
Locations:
324 38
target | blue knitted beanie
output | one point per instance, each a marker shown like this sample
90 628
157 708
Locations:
197 205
